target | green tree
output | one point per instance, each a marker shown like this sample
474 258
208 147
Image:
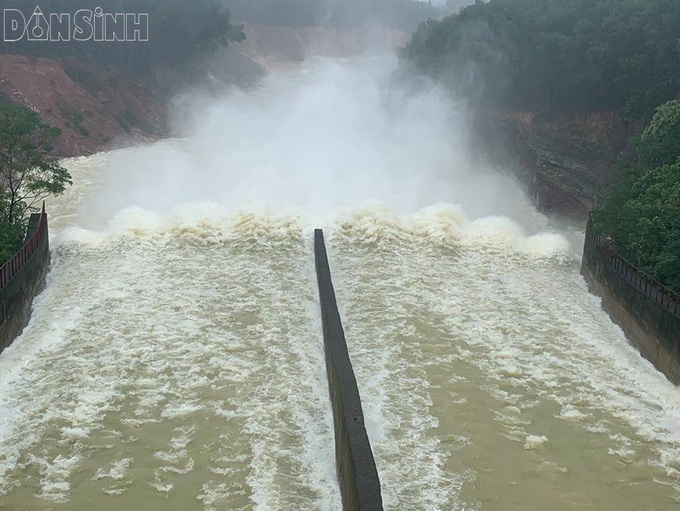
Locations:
348 14
180 31
28 174
11 239
660 142
646 226
642 212
557 55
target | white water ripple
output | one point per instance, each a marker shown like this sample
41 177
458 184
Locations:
184 357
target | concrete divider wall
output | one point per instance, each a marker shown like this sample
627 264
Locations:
357 473
647 312
22 278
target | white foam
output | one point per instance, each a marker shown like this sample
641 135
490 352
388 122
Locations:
117 471
513 306
534 442
512 371
192 256
129 352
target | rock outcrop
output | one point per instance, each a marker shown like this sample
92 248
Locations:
566 160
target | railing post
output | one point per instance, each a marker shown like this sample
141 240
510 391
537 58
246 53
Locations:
655 291
10 269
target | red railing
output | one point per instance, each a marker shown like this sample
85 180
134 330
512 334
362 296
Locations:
652 289
14 265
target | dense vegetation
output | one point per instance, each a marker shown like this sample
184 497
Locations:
642 214
557 55
27 173
179 31
397 14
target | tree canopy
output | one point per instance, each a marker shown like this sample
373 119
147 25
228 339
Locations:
179 30
642 214
660 142
27 173
396 14
557 55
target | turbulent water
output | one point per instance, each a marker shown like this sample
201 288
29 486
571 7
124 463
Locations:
174 360
171 363
491 378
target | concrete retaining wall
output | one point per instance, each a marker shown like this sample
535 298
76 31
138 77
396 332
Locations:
357 474
647 312
22 278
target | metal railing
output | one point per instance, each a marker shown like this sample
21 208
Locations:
14 265
663 296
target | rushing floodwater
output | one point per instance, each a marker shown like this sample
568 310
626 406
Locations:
491 378
171 365
174 360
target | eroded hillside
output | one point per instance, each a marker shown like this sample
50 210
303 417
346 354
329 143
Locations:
95 108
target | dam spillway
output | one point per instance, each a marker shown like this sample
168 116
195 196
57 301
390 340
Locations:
173 364
175 359
179 359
